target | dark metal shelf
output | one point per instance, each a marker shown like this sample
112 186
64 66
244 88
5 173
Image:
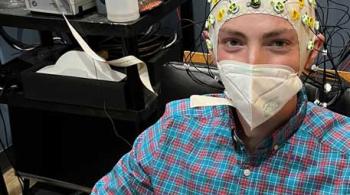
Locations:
90 22
17 98
54 139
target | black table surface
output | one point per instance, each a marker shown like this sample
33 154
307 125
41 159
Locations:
89 22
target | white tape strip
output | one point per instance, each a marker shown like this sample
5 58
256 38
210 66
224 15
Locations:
128 61
122 62
82 43
202 101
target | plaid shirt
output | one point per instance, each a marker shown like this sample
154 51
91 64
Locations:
196 151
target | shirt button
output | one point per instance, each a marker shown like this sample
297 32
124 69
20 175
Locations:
246 172
275 147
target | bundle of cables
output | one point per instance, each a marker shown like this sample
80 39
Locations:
324 75
207 69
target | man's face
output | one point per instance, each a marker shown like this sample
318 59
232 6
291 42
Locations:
259 39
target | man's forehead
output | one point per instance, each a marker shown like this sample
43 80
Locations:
231 30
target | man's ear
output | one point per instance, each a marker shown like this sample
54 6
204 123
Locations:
205 36
314 53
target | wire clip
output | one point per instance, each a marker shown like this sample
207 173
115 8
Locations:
315 68
327 87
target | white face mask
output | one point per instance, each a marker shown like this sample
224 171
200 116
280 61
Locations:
258 92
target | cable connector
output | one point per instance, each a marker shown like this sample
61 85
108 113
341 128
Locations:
216 78
317 102
324 104
327 87
315 68
187 66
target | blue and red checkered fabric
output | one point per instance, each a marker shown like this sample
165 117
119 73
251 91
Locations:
195 151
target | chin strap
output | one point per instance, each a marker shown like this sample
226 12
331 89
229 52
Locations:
202 101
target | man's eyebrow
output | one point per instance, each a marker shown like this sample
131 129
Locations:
231 32
277 33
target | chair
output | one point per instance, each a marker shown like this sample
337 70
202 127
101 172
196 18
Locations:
177 84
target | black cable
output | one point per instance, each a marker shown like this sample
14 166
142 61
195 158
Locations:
18 45
113 126
334 51
188 58
115 131
5 128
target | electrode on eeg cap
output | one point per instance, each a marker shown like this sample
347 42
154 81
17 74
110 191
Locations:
311 45
301 4
278 6
209 44
295 15
254 4
221 14
233 8
313 3
317 25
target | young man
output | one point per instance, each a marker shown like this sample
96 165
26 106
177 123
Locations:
261 136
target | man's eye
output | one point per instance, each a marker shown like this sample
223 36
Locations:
233 43
279 43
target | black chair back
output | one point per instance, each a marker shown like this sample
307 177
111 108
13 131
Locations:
176 83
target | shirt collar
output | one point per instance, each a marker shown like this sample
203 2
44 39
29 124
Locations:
271 144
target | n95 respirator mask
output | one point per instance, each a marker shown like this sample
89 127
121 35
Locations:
258 92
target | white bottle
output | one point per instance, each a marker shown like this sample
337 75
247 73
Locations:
122 10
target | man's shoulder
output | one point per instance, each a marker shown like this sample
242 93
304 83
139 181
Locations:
182 122
179 124
328 127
